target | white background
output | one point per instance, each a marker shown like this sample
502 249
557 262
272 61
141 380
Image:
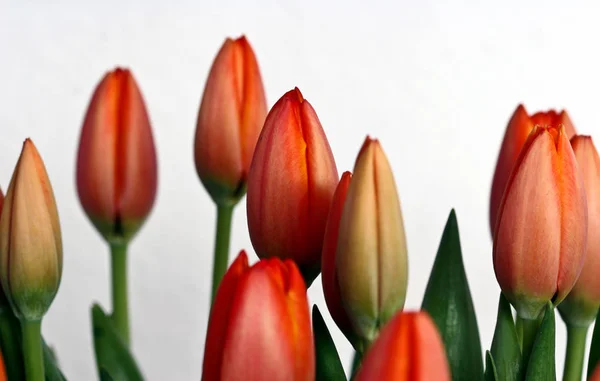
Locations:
435 83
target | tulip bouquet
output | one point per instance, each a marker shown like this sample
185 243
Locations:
305 220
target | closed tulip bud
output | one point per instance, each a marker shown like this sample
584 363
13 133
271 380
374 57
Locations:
519 127
259 326
371 260
540 237
409 348
290 185
581 305
116 163
596 375
329 278
231 115
30 240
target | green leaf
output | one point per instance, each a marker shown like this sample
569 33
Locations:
505 344
51 369
594 348
448 301
328 365
490 368
113 359
541 366
10 342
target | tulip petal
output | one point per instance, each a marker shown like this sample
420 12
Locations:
220 317
528 232
574 217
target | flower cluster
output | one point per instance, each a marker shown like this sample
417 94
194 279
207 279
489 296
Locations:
305 220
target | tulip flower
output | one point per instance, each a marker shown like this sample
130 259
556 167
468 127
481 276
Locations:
116 163
519 127
409 348
331 288
259 326
370 259
540 237
596 375
30 239
290 185
231 115
581 304
30 252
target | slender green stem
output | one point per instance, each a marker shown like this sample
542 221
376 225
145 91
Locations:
120 313
529 330
575 353
32 350
224 214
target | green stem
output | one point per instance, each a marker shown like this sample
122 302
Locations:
224 214
120 313
575 352
32 350
529 330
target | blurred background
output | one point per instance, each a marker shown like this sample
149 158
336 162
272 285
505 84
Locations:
435 83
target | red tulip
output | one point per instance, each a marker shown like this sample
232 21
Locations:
331 287
581 305
408 348
259 327
596 375
540 237
519 127
116 164
290 185
231 115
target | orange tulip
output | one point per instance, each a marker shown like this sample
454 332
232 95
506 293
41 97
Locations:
331 287
596 375
581 305
3 376
259 326
231 115
371 258
519 127
116 164
540 237
30 238
408 348
290 185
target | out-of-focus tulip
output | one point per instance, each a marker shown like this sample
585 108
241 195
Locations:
409 348
519 127
259 326
3 376
371 260
581 305
30 240
540 237
290 185
329 278
116 163
596 375
231 115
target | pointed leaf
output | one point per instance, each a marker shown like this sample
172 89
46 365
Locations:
448 301
541 366
328 365
505 345
10 343
51 368
490 368
594 348
113 359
